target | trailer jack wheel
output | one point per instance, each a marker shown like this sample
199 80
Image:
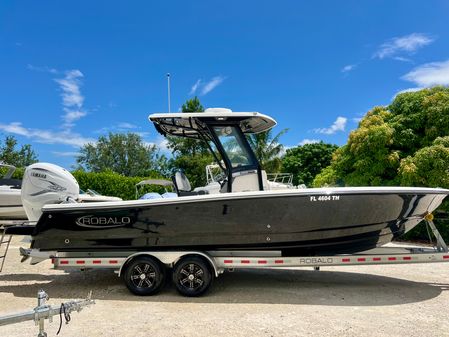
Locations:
144 276
192 276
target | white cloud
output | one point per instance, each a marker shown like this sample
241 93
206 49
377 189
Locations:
73 115
308 141
42 69
348 68
402 59
72 99
195 87
338 125
161 143
125 125
143 134
212 84
405 44
121 127
45 136
203 88
72 105
405 90
65 154
429 74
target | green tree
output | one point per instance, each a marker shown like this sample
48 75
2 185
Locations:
369 158
268 149
19 157
405 143
190 155
125 154
306 161
390 141
185 146
429 166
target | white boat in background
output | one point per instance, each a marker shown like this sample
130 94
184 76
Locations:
11 207
94 196
10 200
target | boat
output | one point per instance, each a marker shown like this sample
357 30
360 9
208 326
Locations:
10 200
93 196
245 214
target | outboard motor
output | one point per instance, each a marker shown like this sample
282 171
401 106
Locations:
44 184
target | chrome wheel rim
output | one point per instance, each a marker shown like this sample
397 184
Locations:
191 276
143 275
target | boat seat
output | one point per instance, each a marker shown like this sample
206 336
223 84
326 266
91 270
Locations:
151 195
182 185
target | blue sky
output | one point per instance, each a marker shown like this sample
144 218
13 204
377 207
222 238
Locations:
73 70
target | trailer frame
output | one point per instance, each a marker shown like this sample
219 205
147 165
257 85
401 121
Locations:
218 261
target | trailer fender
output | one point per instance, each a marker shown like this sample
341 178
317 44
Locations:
170 258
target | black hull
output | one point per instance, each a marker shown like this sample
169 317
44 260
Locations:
296 223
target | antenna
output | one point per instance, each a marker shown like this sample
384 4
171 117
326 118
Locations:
168 89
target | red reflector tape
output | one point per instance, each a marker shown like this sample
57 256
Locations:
262 261
361 259
278 261
64 262
407 258
391 259
113 261
80 262
376 259
227 261
244 261
446 257
345 260
96 261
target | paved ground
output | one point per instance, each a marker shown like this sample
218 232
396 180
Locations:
399 300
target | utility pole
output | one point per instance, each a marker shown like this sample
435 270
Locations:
168 89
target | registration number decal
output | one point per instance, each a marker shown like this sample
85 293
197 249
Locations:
324 198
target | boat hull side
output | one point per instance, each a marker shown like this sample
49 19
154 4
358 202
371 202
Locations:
294 224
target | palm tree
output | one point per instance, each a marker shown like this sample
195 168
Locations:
268 149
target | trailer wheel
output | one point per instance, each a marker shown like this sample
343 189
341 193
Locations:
192 276
144 276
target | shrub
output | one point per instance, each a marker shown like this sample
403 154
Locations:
111 183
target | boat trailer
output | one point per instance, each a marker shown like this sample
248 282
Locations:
44 311
193 271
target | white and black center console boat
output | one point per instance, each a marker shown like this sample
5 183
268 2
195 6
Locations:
242 214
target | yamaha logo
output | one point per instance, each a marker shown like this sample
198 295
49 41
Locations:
91 221
38 175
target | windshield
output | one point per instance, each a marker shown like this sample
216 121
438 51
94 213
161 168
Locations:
234 146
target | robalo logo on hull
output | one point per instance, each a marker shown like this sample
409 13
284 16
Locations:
92 221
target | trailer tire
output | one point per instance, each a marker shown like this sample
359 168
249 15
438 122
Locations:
144 276
192 276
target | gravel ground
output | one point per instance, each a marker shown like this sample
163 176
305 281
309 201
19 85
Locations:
395 300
